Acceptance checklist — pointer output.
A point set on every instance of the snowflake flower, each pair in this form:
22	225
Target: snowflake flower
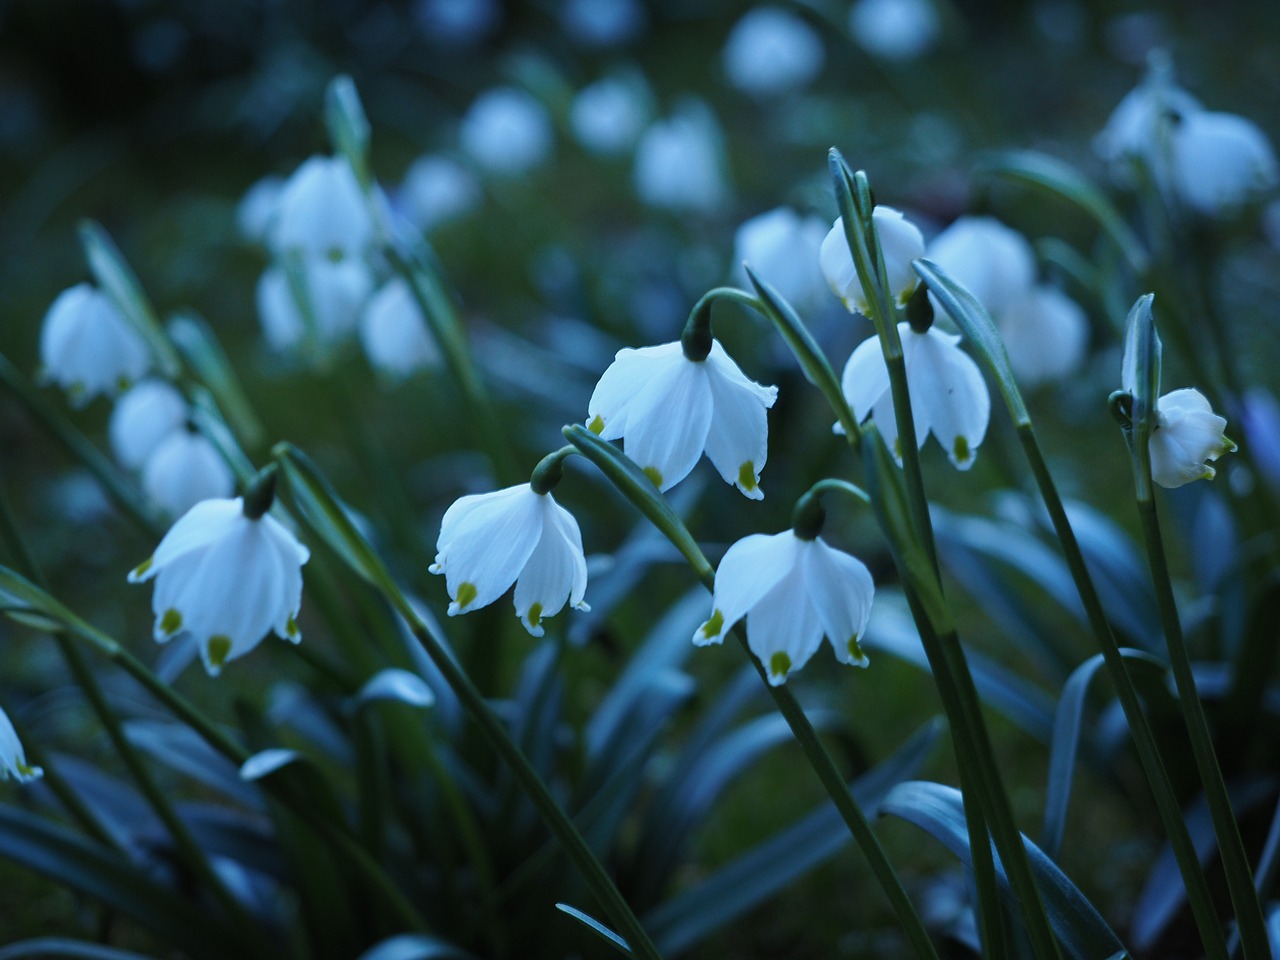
901	241
1187	434
142	418
87	347
183	469
13	759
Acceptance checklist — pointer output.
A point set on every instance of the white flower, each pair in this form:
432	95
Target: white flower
225	579
993	262
1187	433
901	241
184	469
13	760
602	23
1045	333
335	289
87	347
322	212
771	51
142	418
490	540
607	116
948	395
507	131
394	332
668	409
792	591
680	161
895	29
436	190
257	210
463	22
1220	161
782	248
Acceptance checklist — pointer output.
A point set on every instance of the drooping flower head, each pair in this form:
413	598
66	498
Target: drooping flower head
335	292
668	409
490	540
321	212
184	469
680	161
87	347
227	579
142	418
507	131
1220	162
394	332
949	398
901	241
772	51
13	759
782	247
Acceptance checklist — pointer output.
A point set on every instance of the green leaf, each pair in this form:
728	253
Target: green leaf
396	685
938	810
598	928
415	946
348	126
205	357
50	947
1140	374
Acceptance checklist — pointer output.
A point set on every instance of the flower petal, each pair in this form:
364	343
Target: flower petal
622	381
783	630
748	570
206	522
840	590
738	438
556	569
866	378
491	538
668	421
949	395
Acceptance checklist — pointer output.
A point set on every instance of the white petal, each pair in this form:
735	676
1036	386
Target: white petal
13	759
839	270
142	418
627	376
668	421
1045	334
747	571
556	570
196	529
487	543
840	590
949	394
184	470
866	378
321	211
993	262
394	332
1188	433
782	628
738	439
901	242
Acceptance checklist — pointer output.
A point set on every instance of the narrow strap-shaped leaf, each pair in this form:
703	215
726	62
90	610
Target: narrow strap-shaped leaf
60	947
203	353
415	946
598	928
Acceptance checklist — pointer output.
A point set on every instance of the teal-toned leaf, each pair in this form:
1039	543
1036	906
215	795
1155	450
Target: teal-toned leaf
205	358
267	762
1140	371
348	126
58	947
182	749
598	928
415	946
399	686
938	810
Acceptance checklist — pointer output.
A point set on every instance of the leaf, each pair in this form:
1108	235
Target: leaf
415	946
195	341
182	749
348	126
397	685
1140	371
49	947
598	928
939	811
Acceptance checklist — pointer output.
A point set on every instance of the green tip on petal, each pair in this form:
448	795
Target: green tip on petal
747	476
123	384
855	651
655	477
534	616
596	425
961	450
714	625
291	626
26	771
171	621
219	649
467	592
779	665
1229	445
142	568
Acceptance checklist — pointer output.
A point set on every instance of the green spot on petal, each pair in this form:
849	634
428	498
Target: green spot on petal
779	664
855	649
123	384
171	621
654	476
534	616
467	592
747	476
219	650
962	451
143	567
291	626
596	425
714	625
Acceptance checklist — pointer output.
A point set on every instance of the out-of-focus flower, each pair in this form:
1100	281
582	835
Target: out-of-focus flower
336	290
1260	416
602	23
1045	333
948	395
13	759
490	540
1140	126
226	579
782	247
87	347
436	190
256	213
993	262
771	51
668	409
901	241
895	29
394	332
680	161
1220	162
463	22
322	213
507	131
142	418
608	115
792	591
1186	438
184	469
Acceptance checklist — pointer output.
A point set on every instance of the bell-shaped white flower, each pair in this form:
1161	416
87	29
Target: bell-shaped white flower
680	161
321	212
436	190
895	29
257	210
993	262
901	241
1045	333
13	759
792	591
1186	438
489	541
949	398
782	247
184	469
226	579
668	409
394	332
507	131
1220	162
1141	125
608	116
336	290
771	51
143	417
87	347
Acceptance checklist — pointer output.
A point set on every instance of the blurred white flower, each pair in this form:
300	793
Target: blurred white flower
507	131
322	213
1220	162
226	579
13	759
602	23
87	347
901	241
782	247
336	290
668	409
1186	437
257	210
949	398
394	332
1045	333
993	262
490	540
607	116
436	190
792	591
142	418
895	29
184	469
457	21
680	161
771	51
